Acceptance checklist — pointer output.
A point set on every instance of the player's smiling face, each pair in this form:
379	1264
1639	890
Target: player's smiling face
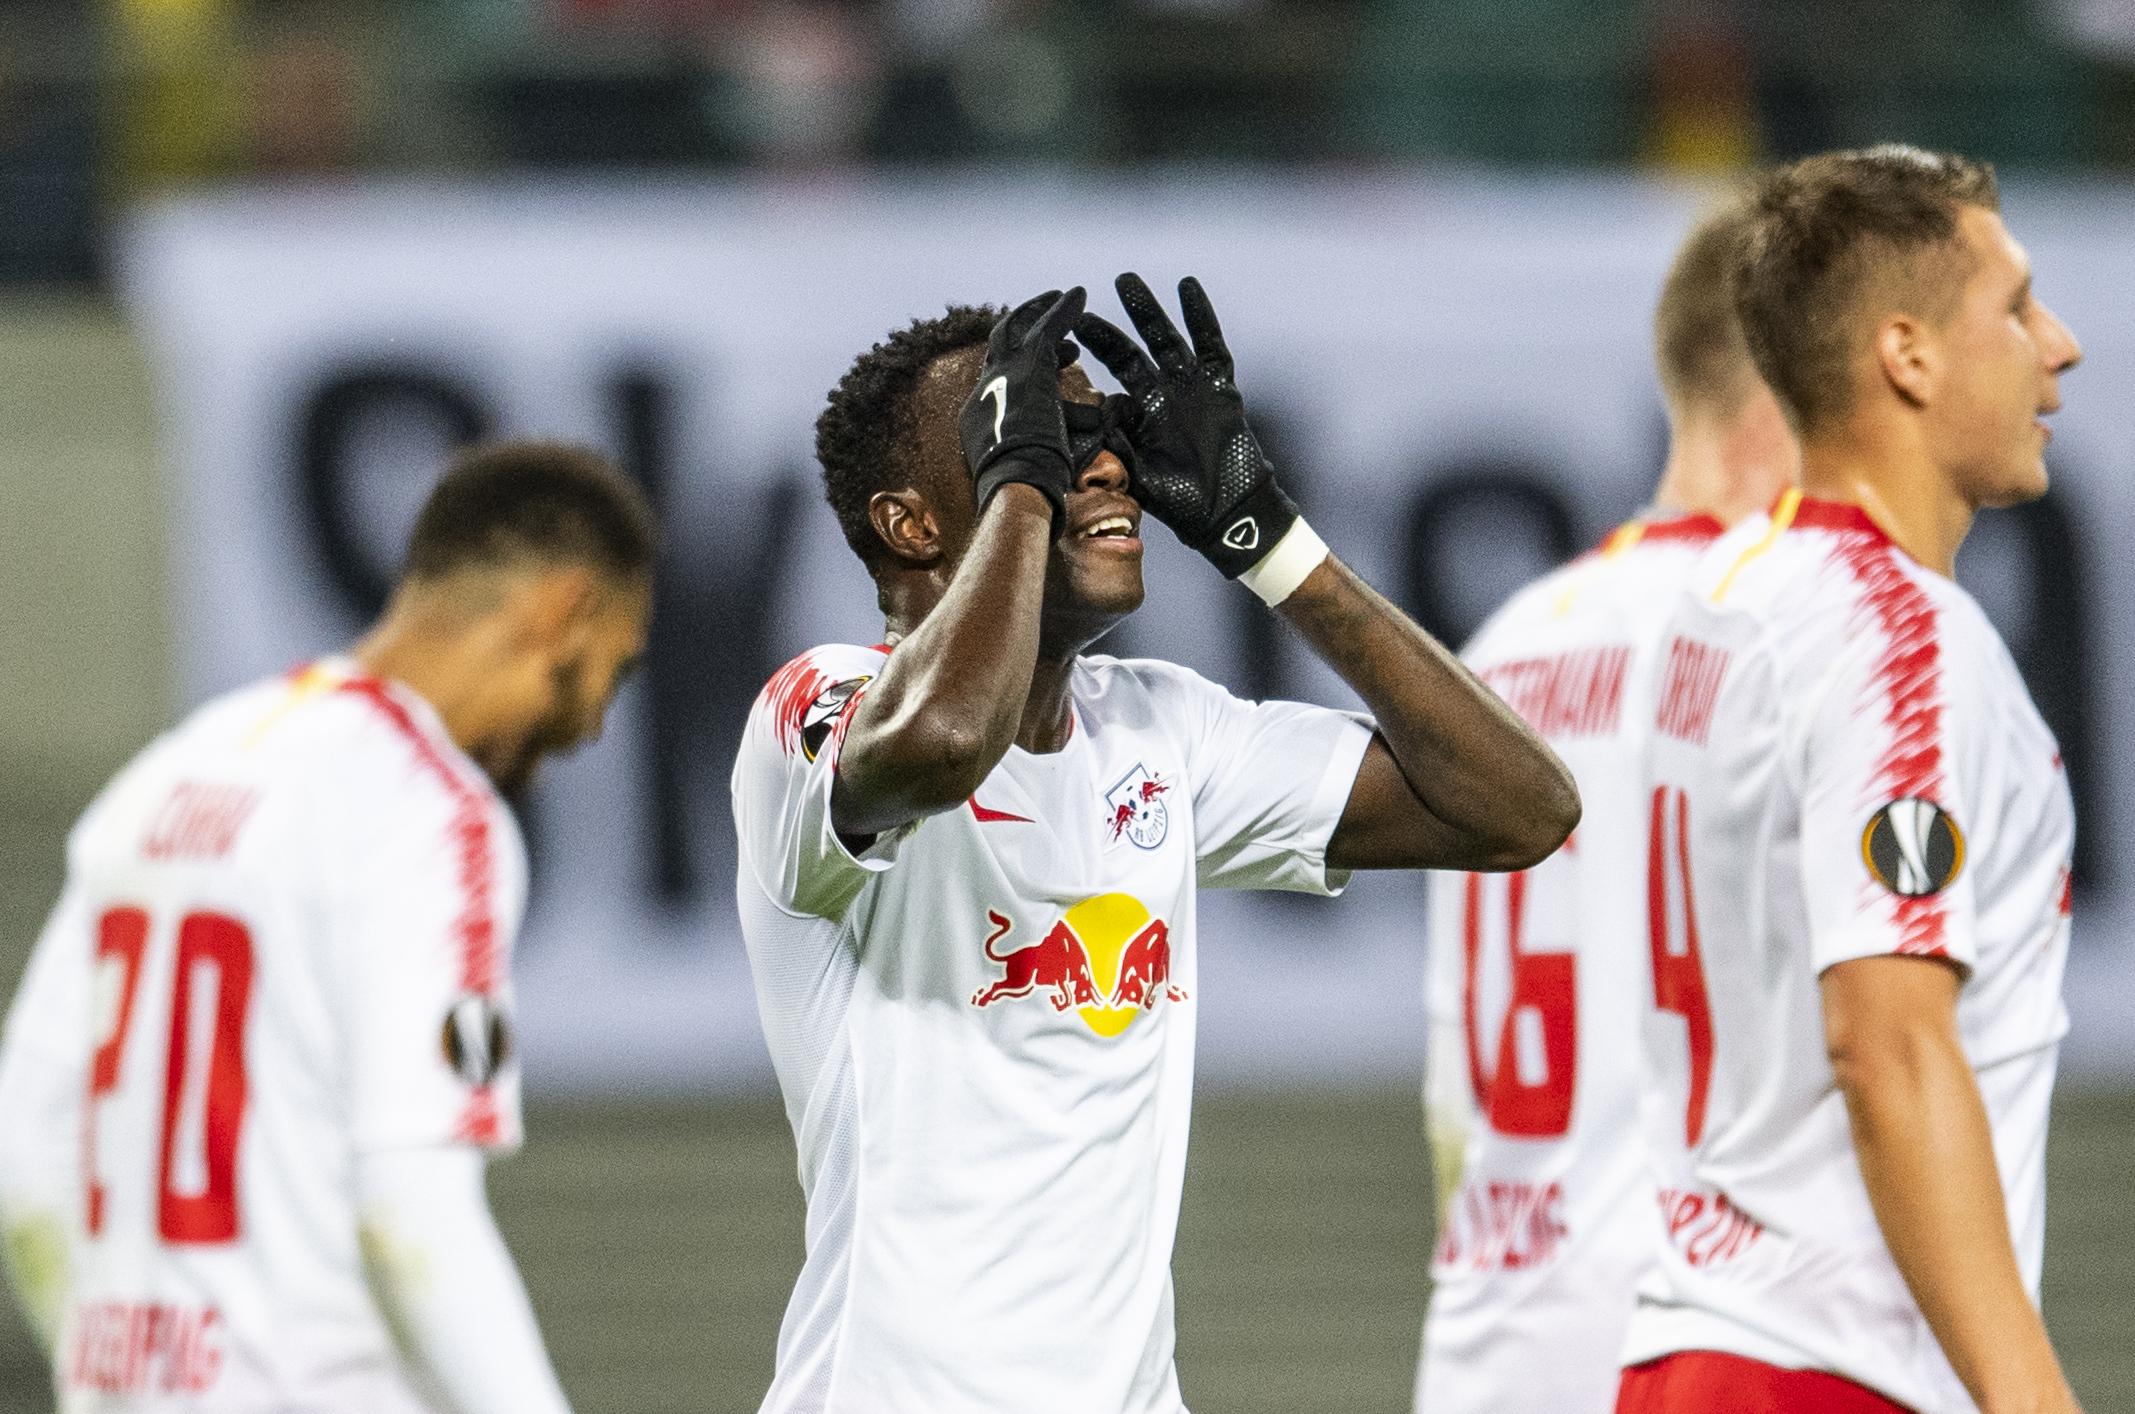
1094	576
2006	351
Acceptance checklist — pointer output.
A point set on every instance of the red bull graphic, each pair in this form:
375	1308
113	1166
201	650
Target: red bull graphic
1107	959
1058	962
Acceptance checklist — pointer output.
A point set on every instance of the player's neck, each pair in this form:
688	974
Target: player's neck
1048	719
1890	475
440	664
1726	468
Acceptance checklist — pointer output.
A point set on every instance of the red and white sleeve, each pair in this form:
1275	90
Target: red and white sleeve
783	777
1887	786
438	889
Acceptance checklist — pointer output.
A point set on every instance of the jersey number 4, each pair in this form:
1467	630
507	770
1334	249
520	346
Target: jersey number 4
1544	986
203	1074
1678	972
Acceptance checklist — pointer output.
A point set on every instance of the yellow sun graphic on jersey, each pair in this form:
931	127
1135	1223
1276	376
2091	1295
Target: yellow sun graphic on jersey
1108	958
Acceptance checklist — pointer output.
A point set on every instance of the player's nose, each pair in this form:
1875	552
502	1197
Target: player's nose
1106	472
2060	347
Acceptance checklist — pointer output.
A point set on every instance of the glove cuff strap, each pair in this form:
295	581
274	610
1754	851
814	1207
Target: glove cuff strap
1035	467
1282	569
1250	530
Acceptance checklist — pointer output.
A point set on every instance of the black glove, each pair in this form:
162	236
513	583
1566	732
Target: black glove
1197	466
1093	428
1011	425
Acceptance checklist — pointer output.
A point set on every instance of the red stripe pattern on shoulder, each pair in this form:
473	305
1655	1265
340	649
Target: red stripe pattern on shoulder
1908	673
790	693
475	928
800	697
1696	528
474	851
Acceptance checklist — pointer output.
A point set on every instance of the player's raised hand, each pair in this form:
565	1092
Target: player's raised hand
1011	425
1197	465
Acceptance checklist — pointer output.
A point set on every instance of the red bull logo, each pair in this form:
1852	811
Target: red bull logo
1107	959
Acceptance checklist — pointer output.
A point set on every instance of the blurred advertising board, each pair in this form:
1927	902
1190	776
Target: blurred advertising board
1453	372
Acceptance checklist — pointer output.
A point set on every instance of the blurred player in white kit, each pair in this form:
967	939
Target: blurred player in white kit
1539	981
1860	839
263	1049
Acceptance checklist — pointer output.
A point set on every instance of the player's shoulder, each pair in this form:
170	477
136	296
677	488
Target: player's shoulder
825	659
800	703
278	742
1803	572
374	747
1621	589
1104	678
205	742
1146	695
1820	584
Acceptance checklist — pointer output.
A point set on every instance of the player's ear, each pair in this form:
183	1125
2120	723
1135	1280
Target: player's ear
557	602
908	525
1910	358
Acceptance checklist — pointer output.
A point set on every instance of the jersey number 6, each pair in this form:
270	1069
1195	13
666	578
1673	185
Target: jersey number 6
1544	988
212	1106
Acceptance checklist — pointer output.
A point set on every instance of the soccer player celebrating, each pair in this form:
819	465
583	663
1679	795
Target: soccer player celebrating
970	857
263	1048
1539	981
1859	839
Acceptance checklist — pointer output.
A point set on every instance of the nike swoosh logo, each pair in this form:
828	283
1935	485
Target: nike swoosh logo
998	391
995	817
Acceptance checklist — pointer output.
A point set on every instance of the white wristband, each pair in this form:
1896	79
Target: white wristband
1285	567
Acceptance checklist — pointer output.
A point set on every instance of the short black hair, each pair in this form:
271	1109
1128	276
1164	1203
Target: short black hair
508	503
867	437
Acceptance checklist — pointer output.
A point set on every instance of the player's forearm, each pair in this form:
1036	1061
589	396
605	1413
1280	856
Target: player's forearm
447	1287
1467	756
1926	1154
950	699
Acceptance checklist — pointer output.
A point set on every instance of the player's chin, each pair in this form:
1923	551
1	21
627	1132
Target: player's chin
1113	588
1104	574
513	776
2024	479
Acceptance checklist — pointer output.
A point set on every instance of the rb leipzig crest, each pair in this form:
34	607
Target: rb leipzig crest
1135	810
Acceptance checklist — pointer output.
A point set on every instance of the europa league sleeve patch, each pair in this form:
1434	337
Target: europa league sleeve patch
822	714
478	1040
1913	847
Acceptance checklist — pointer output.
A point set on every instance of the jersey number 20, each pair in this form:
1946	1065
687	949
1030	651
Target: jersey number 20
207	1105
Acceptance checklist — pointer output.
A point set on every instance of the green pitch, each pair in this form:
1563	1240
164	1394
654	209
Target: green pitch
659	1241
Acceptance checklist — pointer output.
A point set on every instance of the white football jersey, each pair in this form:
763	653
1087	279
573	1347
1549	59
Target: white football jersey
283	941
1845	764
1537	984
983	1025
